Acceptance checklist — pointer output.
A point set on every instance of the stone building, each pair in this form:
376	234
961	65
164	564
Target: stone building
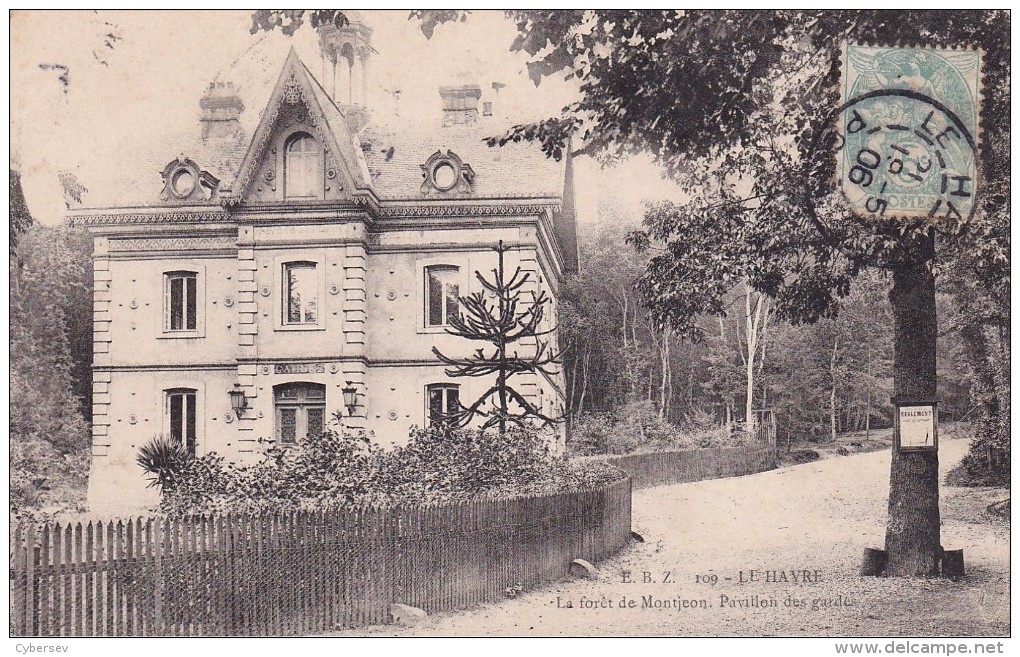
250	286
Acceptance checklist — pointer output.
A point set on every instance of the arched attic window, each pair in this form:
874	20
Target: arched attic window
303	167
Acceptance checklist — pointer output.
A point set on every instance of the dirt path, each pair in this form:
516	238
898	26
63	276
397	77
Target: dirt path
816	517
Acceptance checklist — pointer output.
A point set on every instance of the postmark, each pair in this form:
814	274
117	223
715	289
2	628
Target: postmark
907	132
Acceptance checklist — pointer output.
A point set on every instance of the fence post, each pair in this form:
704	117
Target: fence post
32	599
18	583
157	542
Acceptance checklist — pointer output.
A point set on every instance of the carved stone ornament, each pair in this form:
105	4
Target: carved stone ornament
269	175
293	110
446	173
265	291
420	210
334	289
184	182
292	93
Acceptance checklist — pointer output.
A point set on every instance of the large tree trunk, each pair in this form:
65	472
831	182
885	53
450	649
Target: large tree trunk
912	535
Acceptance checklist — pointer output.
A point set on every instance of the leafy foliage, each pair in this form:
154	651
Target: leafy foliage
638	427
429	19
44	481
51	354
21	218
289	20
838	372
74	191
339	467
735	105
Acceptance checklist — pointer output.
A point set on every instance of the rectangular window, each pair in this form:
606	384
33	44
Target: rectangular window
288	425
444	402
303	167
182	417
301	291
181	301
314	417
442	296
300	411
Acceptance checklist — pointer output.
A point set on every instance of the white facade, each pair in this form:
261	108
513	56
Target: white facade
295	264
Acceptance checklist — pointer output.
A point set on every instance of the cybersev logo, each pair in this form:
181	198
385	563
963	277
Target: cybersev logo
906	133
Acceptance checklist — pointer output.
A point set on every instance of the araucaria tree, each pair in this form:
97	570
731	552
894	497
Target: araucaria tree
507	317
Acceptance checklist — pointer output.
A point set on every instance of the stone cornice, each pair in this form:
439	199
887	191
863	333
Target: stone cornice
493	208
288	211
149	216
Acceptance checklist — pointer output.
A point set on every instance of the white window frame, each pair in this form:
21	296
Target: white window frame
162	386
167	276
287	298
421	268
445	386
280	264
185	394
301	416
287	142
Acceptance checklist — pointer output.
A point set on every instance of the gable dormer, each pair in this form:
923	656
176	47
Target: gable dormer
297	165
303	150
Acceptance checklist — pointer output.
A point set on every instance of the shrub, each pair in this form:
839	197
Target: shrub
43	481
341	467
163	459
987	462
637	427
593	433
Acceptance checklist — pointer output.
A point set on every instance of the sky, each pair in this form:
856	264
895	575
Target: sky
148	85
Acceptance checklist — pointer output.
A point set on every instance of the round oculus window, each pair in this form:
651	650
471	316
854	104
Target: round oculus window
183	182
444	176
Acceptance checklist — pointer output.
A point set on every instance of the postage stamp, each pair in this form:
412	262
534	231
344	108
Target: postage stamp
909	127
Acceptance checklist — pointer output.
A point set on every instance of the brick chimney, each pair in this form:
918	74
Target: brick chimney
221	111
460	104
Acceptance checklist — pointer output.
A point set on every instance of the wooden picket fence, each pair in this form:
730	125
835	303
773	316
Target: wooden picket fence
303	572
686	465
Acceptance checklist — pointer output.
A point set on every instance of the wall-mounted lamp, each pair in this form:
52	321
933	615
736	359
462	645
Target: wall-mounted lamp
238	401
350	398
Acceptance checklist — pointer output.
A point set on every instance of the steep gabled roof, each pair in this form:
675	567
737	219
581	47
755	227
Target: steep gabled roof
328	119
514	171
385	157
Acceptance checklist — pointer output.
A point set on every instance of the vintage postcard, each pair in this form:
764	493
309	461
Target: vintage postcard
449	323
